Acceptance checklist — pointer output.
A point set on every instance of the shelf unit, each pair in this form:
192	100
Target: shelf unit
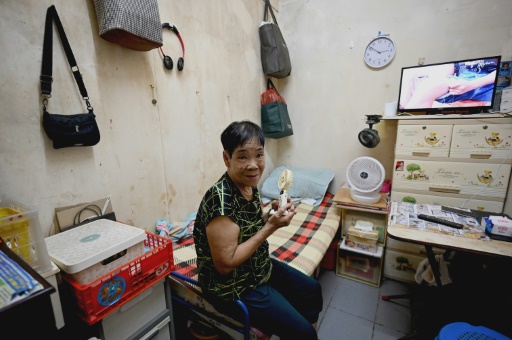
353	263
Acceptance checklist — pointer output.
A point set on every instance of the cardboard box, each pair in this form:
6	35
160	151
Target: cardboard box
66	217
363	236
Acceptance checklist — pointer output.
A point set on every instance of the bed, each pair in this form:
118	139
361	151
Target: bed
302	245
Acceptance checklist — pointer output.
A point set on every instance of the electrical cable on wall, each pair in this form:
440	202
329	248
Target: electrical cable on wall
92	207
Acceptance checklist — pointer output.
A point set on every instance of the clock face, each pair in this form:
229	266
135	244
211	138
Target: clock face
379	52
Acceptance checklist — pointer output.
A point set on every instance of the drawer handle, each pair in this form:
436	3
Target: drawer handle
445	188
420	152
481	154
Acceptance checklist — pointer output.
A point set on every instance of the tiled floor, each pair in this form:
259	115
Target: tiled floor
480	295
354	310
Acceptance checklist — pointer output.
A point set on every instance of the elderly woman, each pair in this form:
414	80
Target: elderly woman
230	235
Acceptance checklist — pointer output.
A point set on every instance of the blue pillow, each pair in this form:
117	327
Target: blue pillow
307	183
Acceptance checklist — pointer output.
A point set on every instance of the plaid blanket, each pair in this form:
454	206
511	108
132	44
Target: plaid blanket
301	245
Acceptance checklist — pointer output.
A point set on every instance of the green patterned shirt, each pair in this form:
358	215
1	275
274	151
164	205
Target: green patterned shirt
225	199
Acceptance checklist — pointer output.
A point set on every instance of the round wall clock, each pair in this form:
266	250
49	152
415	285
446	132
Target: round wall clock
379	52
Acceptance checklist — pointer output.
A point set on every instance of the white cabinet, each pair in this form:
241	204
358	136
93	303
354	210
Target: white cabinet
453	162
463	161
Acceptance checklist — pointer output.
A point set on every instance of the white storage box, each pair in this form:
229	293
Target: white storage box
94	249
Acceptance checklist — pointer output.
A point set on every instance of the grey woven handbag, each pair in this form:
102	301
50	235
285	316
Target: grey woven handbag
275	57
134	24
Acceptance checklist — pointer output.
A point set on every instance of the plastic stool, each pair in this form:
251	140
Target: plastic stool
465	331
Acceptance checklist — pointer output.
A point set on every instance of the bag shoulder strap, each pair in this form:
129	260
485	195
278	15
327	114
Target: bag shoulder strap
270	85
47	60
268	8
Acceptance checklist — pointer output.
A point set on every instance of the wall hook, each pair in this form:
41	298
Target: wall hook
153	94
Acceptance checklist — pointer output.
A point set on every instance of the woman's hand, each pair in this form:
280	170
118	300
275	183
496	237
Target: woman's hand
283	215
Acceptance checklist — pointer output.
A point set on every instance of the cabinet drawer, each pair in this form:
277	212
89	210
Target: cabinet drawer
408	247
444	199
481	141
426	140
401	260
136	313
401	266
453	177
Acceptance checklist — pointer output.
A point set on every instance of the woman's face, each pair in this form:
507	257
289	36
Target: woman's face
247	163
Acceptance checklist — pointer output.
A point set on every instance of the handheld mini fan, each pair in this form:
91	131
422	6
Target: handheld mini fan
284	183
365	176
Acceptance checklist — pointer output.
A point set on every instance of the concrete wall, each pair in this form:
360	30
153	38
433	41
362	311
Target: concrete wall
331	89
156	160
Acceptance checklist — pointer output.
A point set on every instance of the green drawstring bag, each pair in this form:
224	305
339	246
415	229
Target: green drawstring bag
275	120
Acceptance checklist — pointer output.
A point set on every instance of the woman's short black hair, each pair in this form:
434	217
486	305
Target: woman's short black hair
239	133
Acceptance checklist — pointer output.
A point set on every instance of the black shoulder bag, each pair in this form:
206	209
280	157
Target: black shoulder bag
65	130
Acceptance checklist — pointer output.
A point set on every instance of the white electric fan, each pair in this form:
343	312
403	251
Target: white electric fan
365	176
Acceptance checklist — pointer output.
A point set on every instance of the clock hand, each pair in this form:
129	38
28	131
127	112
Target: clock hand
379	52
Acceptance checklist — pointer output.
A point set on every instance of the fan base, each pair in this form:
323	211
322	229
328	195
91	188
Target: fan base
365	197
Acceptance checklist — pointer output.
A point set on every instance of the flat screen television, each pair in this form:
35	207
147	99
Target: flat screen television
463	86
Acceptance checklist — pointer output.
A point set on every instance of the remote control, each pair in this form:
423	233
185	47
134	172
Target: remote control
440	221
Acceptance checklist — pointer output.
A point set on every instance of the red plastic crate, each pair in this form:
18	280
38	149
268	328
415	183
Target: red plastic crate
103	296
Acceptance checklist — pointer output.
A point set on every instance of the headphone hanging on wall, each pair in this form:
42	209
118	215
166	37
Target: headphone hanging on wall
168	63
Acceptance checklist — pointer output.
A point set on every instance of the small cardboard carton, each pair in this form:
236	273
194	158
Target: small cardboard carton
362	239
66	217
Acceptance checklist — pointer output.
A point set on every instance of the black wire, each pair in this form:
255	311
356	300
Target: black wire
76	219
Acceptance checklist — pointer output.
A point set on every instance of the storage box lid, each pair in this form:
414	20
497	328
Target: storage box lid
79	248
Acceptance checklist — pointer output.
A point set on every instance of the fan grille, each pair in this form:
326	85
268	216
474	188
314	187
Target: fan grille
365	174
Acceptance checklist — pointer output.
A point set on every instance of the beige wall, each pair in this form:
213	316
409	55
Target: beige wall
157	160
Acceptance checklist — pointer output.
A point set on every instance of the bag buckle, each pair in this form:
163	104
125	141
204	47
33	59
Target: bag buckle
89	107
46	85
46	79
45	101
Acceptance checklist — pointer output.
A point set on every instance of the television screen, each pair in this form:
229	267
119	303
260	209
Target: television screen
464	85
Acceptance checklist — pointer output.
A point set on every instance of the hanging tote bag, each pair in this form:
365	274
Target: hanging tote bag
134	24
275	120
65	130
275	57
